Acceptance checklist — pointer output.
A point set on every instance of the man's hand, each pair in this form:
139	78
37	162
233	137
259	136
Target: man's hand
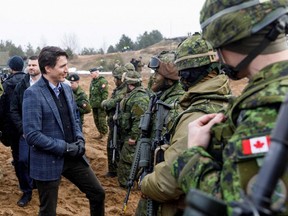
199	130
131	141
75	149
104	104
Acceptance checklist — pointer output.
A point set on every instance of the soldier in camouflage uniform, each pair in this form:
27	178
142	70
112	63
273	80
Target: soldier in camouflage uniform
98	93
132	106
207	91
110	106
165	83
80	96
129	66
242	36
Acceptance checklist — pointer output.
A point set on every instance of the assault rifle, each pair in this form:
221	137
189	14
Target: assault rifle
148	156
113	142
143	141
260	203
144	154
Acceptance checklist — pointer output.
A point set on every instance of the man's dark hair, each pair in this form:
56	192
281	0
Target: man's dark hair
49	56
34	57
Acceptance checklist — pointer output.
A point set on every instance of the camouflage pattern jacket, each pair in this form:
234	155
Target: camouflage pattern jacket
98	91
250	118
206	97
82	102
170	97
116	96
132	106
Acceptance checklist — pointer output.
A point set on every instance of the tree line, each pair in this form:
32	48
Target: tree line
70	45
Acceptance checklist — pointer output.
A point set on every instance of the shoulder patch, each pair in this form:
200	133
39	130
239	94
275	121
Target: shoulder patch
256	145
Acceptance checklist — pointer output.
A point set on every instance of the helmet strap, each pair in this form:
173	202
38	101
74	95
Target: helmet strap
281	26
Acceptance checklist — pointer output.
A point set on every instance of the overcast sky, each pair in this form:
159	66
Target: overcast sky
95	23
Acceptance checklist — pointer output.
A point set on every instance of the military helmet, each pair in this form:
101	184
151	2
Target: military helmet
132	77
167	56
129	66
118	72
224	22
194	52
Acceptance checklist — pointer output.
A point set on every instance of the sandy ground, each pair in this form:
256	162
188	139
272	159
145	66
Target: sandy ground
71	201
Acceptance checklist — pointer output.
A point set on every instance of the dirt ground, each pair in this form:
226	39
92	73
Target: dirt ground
71	201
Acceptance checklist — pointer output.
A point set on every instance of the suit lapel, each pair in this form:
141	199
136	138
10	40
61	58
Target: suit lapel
68	95
51	103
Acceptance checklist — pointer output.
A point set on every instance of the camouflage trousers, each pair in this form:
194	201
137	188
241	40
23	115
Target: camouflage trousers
125	163
99	116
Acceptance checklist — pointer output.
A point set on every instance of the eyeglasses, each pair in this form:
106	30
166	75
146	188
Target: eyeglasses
154	63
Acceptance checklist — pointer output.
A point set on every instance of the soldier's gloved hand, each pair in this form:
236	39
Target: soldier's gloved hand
104	104
75	149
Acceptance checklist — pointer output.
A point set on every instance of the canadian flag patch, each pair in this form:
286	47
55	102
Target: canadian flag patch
256	145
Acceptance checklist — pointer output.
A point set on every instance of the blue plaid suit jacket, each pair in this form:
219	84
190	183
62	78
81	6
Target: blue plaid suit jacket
44	132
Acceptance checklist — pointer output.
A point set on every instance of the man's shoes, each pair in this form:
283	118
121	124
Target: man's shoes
24	200
111	174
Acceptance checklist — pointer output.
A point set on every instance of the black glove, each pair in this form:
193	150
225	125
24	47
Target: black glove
81	144
75	149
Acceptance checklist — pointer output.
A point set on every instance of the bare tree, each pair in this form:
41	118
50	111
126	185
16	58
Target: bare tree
70	42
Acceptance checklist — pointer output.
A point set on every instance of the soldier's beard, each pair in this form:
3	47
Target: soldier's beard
160	86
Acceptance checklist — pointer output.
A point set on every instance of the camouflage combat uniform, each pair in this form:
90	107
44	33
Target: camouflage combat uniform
170	96
98	93
132	107
252	115
110	106
229	166
207	92
82	102
207	97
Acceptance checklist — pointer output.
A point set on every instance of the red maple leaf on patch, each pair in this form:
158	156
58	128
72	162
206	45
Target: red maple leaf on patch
259	144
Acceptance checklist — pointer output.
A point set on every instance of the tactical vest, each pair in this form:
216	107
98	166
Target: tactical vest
246	165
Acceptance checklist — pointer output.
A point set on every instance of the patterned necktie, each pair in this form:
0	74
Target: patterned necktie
57	91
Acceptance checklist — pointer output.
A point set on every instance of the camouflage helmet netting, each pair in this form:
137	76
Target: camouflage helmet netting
132	77
118	72
129	66
224	22
194	52
167	56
